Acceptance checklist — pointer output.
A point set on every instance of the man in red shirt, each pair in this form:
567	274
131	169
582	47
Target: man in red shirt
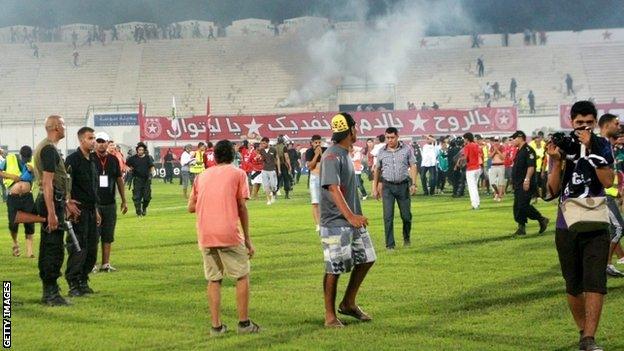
474	157
510	151
209	157
218	199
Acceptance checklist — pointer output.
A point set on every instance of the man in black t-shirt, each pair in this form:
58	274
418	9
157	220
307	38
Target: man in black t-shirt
80	167
109	178
313	162
142	166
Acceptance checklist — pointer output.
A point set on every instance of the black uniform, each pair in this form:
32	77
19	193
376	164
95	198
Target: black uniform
47	159
142	182
108	173
522	207
84	179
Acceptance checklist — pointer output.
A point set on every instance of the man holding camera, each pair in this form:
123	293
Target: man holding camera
523	180
585	161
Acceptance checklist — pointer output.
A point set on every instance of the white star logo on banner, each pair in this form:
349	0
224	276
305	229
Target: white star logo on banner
253	127
418	123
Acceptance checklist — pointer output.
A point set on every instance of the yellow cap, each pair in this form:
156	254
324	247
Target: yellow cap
339	124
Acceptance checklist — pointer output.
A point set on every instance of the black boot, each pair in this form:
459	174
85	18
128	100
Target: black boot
543	223
138	208
521	230
74	289
52	296
84	287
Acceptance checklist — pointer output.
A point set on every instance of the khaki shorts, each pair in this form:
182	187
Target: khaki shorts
229	261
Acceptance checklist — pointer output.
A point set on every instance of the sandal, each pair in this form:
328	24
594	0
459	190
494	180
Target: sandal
356	313
337	324
16	251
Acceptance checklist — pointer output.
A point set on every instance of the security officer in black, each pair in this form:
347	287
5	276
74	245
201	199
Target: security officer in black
81	167
52	203
524	183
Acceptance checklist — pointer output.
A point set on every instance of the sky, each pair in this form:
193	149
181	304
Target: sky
494	16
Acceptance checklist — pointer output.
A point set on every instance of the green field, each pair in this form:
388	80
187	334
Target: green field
464	284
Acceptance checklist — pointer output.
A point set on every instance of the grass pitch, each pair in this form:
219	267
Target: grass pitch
464	284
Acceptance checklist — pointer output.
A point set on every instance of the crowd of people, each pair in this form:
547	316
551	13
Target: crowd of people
78	195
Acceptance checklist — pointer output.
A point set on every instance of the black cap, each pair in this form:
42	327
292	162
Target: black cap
518	133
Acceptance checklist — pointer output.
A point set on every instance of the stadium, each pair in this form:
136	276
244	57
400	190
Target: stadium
174	76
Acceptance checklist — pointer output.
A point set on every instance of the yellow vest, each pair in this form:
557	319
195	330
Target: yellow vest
12	167
613	191
198	167
539	154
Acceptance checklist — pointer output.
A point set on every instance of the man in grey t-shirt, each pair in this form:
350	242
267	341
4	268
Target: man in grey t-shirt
346	243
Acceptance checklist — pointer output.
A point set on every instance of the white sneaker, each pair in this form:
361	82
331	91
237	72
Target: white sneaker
95	269
318	228
107	268
364	197
273	198
620	261
269	202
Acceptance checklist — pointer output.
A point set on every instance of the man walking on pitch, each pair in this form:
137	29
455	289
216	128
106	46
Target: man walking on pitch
346	243
270	169
218	198
109	177
395	180
82	171
524	183
142	166
583	253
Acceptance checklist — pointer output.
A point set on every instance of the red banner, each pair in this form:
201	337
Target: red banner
613	108
304	125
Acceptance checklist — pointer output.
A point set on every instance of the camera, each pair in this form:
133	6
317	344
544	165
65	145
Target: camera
568	144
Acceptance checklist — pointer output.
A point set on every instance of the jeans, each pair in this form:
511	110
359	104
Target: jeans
400	193
430	188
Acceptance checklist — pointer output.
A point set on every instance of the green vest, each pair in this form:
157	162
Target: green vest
61	182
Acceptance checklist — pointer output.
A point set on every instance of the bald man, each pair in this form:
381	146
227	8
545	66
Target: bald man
52	204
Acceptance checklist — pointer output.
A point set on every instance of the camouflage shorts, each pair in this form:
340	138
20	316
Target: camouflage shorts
345	247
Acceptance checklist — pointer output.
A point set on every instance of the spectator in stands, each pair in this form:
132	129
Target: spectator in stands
424	107
475	40
74	37
211	33
35	50
115	35
505	39
196	31
527	37
531	98
487	92
496	91
275	30
76	55
533	37
569	85
542	37
480	67
512	89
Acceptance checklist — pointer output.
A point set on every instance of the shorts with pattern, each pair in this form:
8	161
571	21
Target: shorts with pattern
345	247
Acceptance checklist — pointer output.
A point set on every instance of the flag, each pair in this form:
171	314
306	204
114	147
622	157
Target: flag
208	118
174	120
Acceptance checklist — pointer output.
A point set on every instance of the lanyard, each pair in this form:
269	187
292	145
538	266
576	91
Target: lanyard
103	163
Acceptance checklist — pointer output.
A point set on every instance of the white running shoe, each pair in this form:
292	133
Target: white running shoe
620	261
318	228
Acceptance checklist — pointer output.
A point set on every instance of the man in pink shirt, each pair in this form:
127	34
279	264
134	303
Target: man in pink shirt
218	199
474	159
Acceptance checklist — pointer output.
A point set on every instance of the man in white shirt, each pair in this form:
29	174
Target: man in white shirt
429	153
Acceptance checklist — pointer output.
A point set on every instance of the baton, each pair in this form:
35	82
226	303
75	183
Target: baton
72	235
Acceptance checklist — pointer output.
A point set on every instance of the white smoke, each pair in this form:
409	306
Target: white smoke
377	53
